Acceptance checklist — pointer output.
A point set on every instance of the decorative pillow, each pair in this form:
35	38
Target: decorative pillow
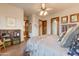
61	36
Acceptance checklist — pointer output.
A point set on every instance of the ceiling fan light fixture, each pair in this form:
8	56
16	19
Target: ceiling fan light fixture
41	13
43	6
45	13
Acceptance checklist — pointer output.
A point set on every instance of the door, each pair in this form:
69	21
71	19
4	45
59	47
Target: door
42	27
55	26
26	27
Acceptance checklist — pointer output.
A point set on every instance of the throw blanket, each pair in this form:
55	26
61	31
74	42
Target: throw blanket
46	45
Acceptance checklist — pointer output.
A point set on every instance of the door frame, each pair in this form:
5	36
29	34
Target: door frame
57	19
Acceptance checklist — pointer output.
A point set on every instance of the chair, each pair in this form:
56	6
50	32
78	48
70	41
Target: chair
2	45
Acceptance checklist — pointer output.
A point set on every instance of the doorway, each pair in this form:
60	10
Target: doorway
55	25
42	27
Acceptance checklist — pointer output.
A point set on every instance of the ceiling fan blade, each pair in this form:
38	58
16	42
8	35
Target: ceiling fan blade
48	9
38	9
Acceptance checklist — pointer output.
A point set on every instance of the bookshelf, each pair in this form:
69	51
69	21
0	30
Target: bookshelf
10	37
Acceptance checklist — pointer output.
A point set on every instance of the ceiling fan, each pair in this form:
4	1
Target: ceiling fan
44	10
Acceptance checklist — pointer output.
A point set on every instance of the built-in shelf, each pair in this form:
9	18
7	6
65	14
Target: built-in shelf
10	37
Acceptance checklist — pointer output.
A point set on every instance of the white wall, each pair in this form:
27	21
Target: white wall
8	11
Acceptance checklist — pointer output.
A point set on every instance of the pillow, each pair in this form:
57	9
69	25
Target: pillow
68	37
61	36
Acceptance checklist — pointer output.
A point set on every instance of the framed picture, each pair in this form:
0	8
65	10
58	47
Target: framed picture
74	18
11	21
64	19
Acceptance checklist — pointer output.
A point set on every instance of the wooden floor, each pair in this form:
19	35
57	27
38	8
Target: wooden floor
15	50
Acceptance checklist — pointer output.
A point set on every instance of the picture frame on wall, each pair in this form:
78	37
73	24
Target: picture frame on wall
74	17
11	21
64	19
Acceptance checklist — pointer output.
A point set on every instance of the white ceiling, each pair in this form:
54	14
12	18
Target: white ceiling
33	8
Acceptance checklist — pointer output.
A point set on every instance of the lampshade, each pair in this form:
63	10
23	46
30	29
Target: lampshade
41	13
45	13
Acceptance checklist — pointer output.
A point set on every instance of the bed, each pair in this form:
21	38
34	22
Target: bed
49	45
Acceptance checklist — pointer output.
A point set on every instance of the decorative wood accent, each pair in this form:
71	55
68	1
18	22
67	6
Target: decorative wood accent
57	19
75	16
64	19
